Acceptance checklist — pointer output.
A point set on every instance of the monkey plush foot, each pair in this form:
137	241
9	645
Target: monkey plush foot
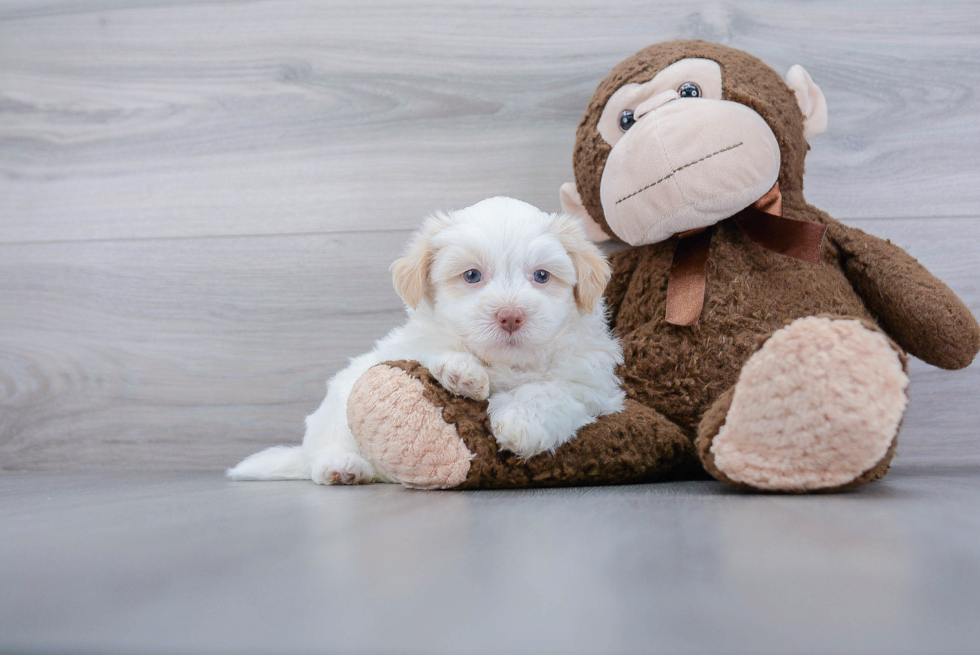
422	436
395	414
816	408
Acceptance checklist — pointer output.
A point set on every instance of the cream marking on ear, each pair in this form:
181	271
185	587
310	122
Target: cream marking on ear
592	271
593	275
410	274
811	100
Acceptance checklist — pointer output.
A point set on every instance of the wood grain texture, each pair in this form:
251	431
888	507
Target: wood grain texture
185	352
126	118
192	353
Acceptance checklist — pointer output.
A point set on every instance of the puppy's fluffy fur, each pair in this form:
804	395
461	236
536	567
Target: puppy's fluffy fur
504	301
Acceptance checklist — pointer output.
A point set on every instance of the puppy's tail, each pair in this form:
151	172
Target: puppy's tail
276	463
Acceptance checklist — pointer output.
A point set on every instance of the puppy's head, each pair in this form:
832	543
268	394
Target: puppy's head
502	273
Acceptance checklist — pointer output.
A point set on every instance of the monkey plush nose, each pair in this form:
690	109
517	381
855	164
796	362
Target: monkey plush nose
510	319
656	101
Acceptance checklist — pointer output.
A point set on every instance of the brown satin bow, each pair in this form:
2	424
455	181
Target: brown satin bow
764	224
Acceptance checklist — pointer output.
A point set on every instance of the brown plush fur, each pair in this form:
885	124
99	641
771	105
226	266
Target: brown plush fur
679	379
649	447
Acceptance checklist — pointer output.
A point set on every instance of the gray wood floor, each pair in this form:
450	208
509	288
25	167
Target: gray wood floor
190	563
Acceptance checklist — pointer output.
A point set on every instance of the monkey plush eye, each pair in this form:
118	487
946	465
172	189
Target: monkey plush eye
626	120
472	276
541	276
689	90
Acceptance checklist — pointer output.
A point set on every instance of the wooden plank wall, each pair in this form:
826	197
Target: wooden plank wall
199	200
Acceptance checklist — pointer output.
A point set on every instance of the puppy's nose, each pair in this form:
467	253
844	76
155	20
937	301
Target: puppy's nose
510	319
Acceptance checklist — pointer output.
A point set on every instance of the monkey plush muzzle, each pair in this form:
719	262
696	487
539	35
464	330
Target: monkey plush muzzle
686	164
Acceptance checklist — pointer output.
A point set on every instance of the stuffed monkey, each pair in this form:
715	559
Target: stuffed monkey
765	342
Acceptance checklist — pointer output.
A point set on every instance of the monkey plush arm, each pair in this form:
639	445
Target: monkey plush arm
917	310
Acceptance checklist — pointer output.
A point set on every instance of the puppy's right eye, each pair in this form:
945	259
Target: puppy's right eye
472	276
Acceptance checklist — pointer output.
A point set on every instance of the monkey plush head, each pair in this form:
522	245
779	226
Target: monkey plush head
685	134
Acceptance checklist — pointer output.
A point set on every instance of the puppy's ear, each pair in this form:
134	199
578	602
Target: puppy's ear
411	273
593	276
591	268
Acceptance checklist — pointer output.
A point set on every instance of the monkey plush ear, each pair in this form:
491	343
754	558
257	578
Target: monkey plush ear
811	101
571	203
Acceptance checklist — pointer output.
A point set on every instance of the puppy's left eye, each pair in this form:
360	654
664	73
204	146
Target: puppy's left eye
472	276
541	276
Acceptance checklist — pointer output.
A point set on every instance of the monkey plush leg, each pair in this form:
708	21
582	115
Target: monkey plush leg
425	437
816	408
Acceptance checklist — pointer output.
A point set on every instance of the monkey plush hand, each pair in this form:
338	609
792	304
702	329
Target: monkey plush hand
765	342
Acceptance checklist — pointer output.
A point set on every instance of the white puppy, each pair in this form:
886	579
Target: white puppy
504	301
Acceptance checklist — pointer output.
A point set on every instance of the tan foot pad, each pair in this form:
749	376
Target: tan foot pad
817	407
403	433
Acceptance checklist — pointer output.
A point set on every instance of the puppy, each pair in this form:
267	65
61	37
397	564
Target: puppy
504	302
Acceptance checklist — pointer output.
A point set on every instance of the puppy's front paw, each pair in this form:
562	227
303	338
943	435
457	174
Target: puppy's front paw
342	468
463	375
520	433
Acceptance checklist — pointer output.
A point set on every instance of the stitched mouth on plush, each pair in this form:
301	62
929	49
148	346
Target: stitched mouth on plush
677	170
